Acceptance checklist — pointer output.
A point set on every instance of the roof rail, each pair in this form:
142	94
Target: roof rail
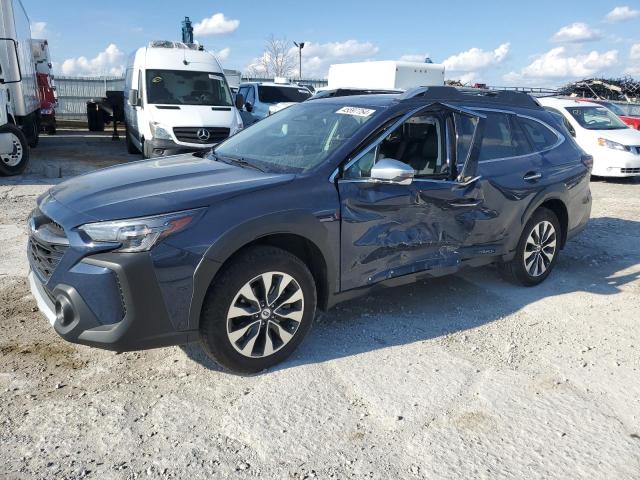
502	97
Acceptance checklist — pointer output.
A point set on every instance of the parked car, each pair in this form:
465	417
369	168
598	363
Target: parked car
176	100
627	114
324	201
260	99
614	146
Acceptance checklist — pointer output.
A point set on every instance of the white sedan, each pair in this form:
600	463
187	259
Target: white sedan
615	146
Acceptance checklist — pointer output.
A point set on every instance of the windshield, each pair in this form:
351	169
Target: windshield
596	118
630	109
296	139
275	94
179	87
614	108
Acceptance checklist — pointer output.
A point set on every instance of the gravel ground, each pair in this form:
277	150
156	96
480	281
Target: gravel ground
460	377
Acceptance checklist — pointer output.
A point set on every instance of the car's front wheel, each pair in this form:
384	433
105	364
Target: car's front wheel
258	310
537	251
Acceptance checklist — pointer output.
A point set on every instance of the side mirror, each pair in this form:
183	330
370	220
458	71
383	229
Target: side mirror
248	107
134	99
239	101
389	170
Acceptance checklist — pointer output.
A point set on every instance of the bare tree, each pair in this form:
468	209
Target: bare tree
276	59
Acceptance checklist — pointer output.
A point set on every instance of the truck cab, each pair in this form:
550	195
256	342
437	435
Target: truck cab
177	100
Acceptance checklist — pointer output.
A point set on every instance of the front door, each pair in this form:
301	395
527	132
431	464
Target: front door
391	229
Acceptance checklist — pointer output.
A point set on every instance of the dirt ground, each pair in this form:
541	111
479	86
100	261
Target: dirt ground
460	377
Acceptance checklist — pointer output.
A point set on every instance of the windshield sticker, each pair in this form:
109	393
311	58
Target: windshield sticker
356	111
212	76
303	91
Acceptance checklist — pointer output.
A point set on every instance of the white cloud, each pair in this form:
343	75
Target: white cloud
39	30
476	59
577	32
414	57
223	54
634	57
216	24
466	66
620	14
110	61
557	65
316	57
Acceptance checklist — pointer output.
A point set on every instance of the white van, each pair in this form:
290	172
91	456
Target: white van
177	100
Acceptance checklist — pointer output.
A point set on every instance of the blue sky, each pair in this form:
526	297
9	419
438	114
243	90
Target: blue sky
541	43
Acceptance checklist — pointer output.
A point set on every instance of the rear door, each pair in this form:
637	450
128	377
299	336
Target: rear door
392	229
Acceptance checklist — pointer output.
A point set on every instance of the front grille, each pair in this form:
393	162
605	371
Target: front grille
630	170
190	134
47	244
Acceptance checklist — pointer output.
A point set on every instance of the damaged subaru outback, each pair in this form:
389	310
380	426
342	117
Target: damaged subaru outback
238	248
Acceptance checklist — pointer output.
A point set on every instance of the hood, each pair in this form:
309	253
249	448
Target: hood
192	116
625	136
152	187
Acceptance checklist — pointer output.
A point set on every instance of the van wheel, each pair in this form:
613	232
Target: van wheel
15	162
131	147
537	251
258	310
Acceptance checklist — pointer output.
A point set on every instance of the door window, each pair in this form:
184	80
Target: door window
251	96
541	137
418	142
501	139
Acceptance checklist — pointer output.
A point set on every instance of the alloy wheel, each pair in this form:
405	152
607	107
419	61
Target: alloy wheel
15	157
265	314
540	249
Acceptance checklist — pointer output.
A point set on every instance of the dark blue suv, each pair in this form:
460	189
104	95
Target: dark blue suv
321	202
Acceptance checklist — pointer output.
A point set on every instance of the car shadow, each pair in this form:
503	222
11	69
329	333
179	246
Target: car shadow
599	261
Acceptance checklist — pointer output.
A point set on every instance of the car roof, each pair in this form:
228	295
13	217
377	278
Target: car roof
565	102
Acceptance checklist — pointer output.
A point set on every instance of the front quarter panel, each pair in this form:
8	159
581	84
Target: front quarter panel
307	208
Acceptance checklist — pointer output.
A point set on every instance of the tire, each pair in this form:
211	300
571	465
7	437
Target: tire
95	119
131	147
240	343
16	162
534	260
31	129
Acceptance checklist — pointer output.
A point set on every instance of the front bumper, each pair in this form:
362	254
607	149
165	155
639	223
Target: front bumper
133	318
611	163
165	148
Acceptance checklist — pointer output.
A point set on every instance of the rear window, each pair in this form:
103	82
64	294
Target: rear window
541	137
501	139
275	94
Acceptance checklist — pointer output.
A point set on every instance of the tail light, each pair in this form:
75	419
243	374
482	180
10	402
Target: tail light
587	161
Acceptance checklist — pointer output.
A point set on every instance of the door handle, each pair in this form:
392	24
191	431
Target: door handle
532	176
465	202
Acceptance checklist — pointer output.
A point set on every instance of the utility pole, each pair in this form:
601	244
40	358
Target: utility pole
300	47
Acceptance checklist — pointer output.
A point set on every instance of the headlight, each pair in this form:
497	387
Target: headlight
140	234
160	132
603	142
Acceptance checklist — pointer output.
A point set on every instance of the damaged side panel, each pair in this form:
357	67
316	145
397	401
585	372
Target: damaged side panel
393	230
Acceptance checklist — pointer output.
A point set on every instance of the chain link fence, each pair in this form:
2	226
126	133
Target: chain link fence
74	92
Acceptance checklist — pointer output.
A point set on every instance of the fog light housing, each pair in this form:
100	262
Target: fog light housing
65	313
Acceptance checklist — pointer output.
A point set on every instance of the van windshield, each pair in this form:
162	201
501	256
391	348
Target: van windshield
179	87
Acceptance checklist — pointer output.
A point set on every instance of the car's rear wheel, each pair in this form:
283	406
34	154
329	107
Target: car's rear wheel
537	251
258	310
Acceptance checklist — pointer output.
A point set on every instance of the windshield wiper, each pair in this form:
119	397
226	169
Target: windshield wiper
238	161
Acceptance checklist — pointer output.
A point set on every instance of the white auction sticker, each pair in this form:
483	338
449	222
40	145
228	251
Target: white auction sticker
356	111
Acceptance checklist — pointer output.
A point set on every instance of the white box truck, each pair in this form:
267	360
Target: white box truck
385	75
177	100
17	64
